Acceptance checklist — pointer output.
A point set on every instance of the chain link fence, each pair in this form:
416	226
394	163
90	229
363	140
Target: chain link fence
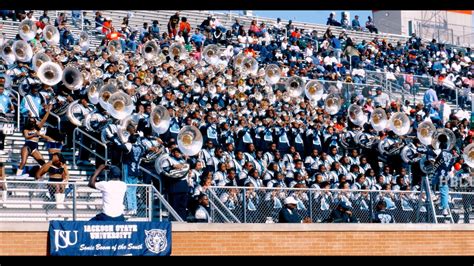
263	205
46	200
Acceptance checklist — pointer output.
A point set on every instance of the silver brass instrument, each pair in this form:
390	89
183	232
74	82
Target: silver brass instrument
94	122
356	115
177	50
239	61
468	155
93	90
295	86
190	140
27	29
150	50
22	51
74	113
160	119
399	123
314	90
72	78
39	59
250	66
120	105
348	140
409	153
50	73
272	74
427	165
332	104
122	131
84	42
114	47
7	52
104	94
443	135
51	35
425	132
378	119
210	54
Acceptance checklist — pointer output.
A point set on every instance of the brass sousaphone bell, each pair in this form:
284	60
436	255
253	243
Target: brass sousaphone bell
378	119
332	104
50	73
399	123
22	51
210	54
160	119
295	86
72	78
190	140
27	29
272	74
120	105
51	35
104	94
356	115
425	132
39	59
314	90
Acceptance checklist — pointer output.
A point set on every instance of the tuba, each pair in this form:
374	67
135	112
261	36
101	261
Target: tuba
210	54
94	122
378	119
332	104
272	74
150	50
295	86
356	115
177	50
190	140
239	61
425	132
249	66
427	165
314	90
120	105
7	53
74	113
104	94
50	73
409	154
399	123
468	155
93	91
39	59
84	42
72	78
443	135
114	47
27	29
122	129
51	35
160	119
22	51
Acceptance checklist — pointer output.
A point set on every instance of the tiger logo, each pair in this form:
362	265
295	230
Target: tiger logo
156	240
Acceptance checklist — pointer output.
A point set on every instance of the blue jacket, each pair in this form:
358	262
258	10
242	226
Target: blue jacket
287	216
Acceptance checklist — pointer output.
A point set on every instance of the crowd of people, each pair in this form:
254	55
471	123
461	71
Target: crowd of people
255	133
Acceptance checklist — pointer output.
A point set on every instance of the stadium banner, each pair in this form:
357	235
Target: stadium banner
104	238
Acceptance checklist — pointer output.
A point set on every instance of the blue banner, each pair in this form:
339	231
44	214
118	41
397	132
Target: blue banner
103	238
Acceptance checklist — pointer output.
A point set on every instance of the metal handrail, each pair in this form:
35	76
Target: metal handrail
223	205
83	146
17	109
167	205
57	118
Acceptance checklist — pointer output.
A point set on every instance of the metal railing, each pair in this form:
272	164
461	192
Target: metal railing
263	205
462	206
84	134
45	200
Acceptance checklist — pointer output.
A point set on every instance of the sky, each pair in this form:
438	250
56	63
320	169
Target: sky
316	16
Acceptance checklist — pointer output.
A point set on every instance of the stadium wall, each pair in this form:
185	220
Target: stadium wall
278	239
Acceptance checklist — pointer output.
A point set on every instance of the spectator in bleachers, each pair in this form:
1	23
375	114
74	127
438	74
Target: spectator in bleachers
381	215
173	25
345	21
45	18
99	21
332	20
356	24
288	213
75	16
60	19
370	25
155	29
185	29
342	214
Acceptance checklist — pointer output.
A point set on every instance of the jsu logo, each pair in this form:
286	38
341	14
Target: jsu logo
156	240
64	238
